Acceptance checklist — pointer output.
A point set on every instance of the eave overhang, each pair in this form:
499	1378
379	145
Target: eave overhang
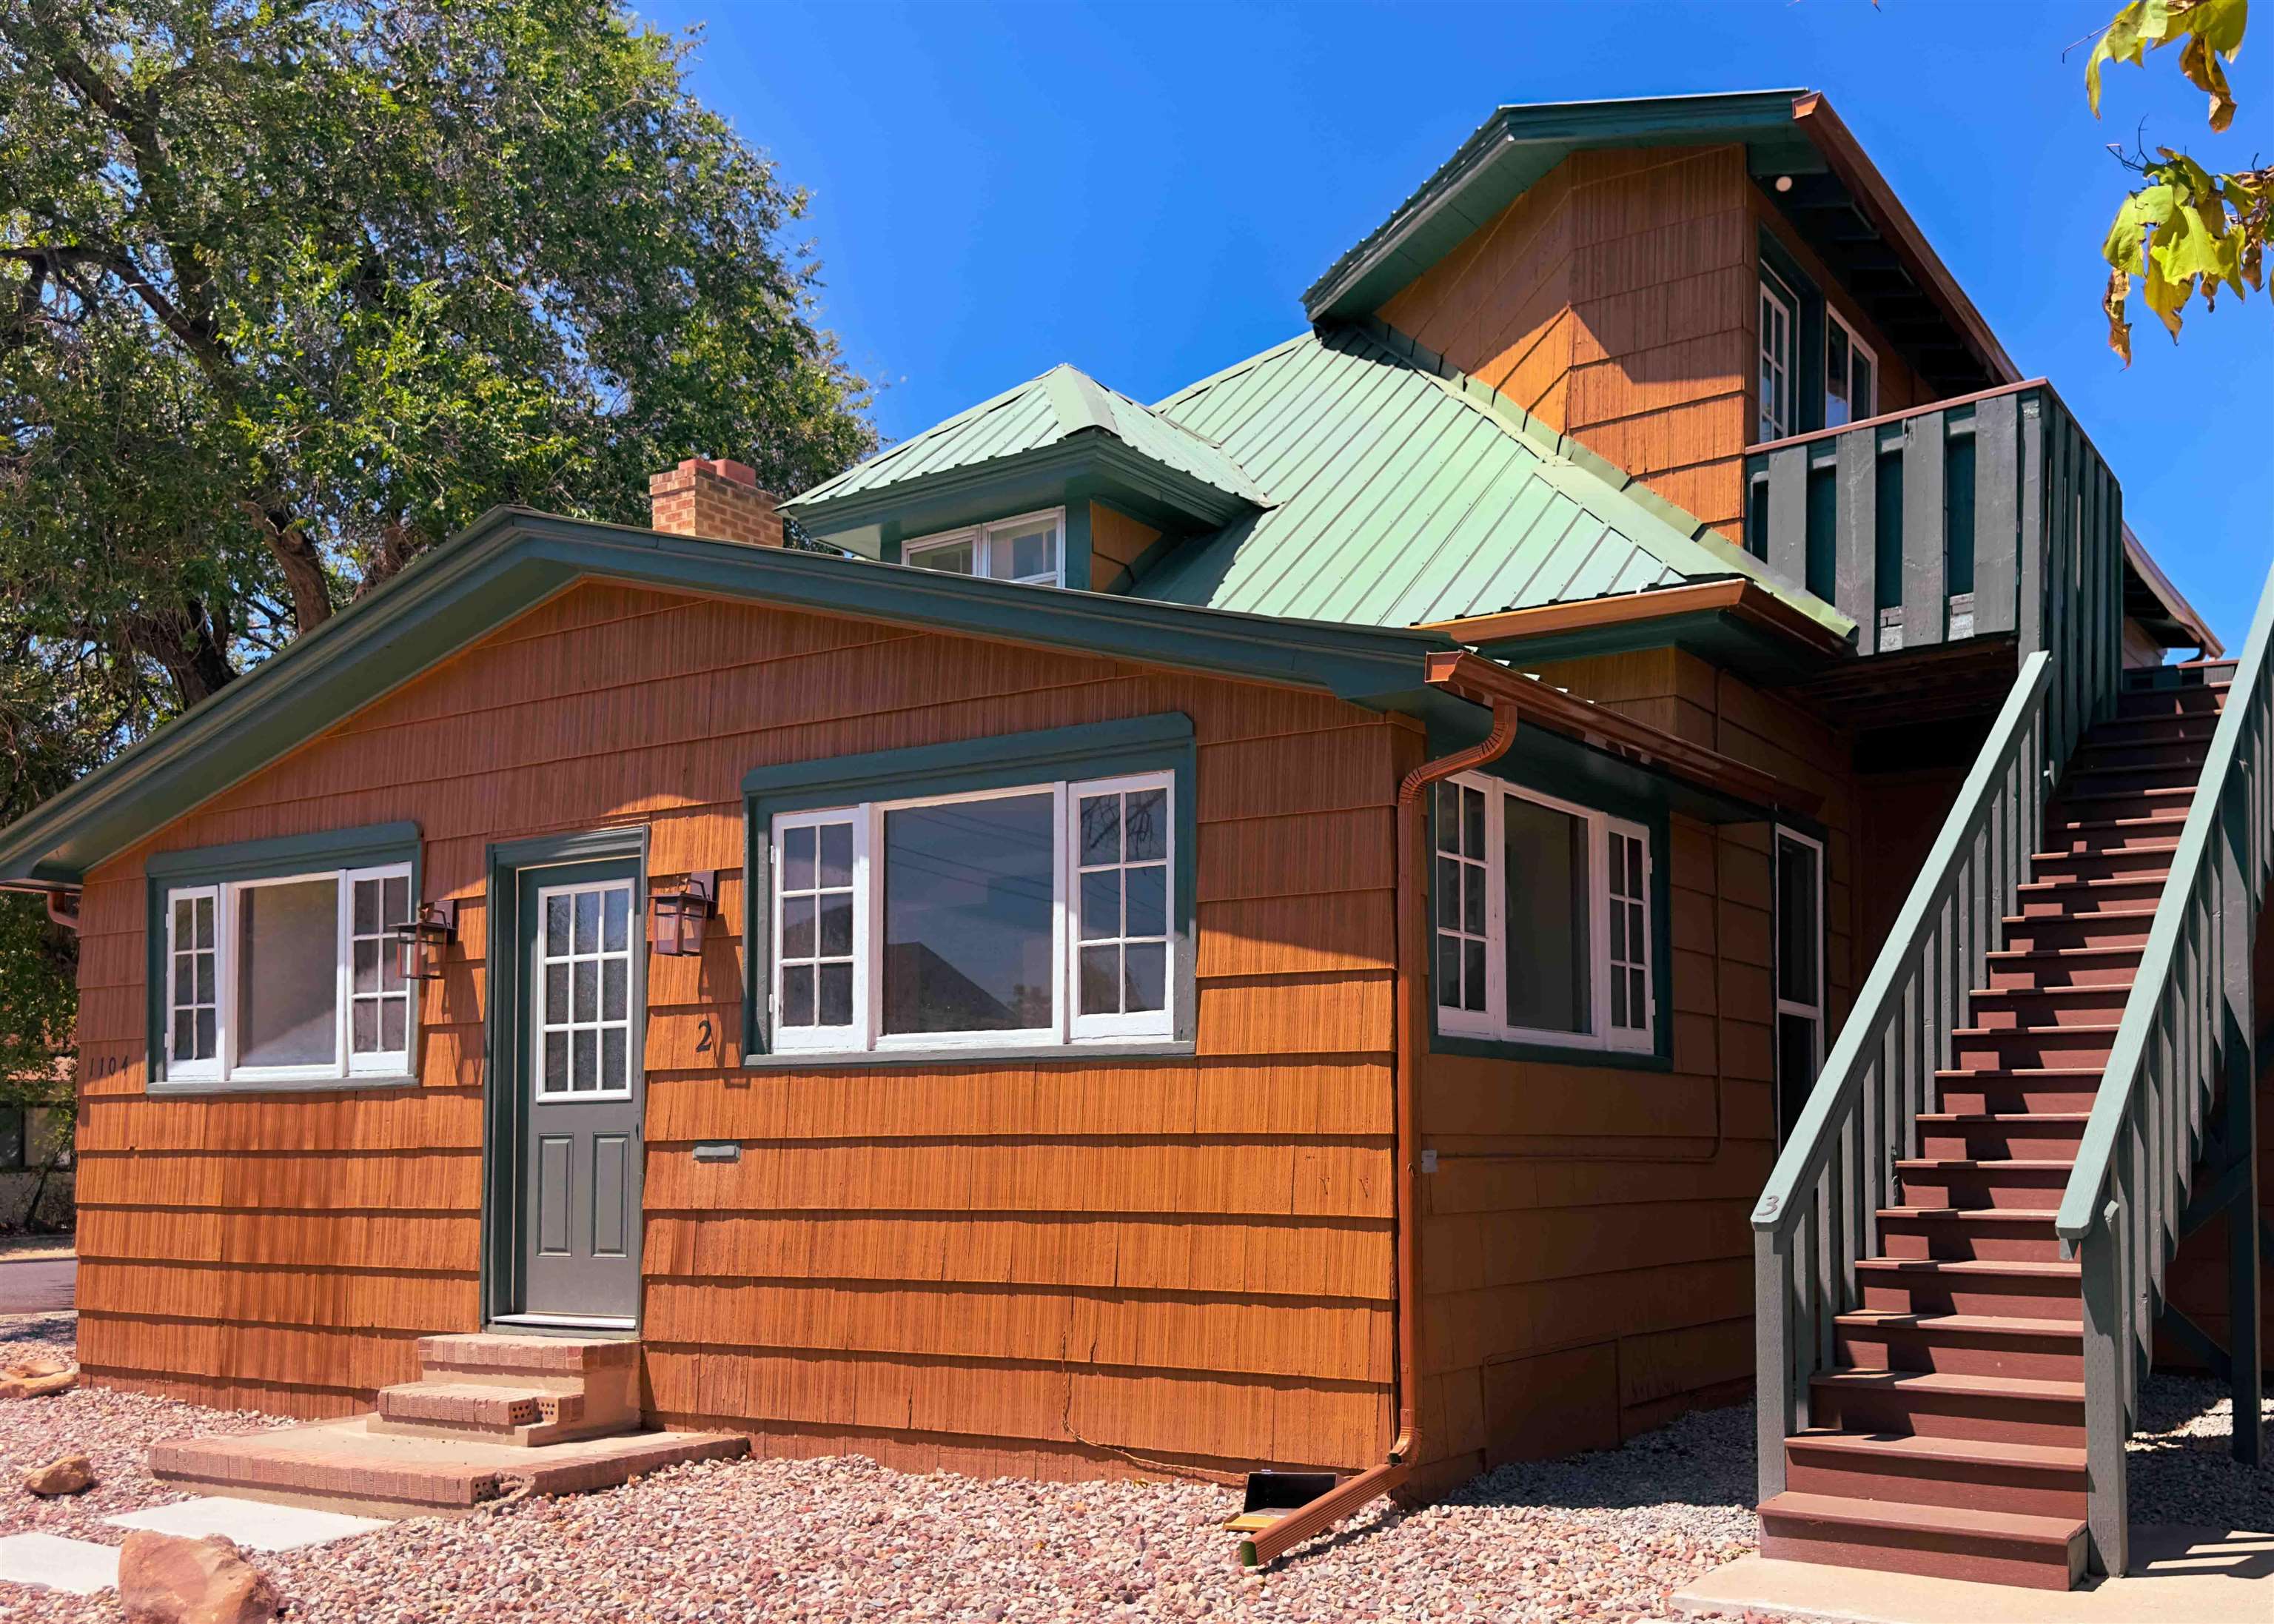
1736	623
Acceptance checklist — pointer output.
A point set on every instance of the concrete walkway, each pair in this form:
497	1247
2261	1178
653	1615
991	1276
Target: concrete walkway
38	1285
2180	1575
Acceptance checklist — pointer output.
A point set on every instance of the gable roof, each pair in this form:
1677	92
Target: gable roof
1042	413
1409	492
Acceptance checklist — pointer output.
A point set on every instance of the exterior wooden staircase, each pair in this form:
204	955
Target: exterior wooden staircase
1948	1437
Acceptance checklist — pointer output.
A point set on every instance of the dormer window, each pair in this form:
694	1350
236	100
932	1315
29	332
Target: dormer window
1027	549
1850	374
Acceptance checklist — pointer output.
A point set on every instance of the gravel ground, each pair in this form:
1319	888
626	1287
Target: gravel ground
1595	1537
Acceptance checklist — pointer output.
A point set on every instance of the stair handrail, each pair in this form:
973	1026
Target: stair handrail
2187	1025
1836	1169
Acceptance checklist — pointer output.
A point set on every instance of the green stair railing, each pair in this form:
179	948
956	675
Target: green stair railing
2187	1033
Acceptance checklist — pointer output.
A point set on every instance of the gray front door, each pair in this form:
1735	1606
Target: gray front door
580	1069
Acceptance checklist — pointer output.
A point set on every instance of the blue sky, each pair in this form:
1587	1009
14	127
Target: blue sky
1146	189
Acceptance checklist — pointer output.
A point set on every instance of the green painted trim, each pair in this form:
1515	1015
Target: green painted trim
364	847
1162	742
503	1100
1652	815
512	560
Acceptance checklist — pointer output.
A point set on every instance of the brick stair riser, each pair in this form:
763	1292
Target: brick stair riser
1947	1294
2107	897
2000	1418
417	1403
2140	863
2049	932
2045	1049
2010	1097
2037	1189
2090	967
2038	1491
2032	1357
2010	1009
2026	1140
1970	1240
1986	1560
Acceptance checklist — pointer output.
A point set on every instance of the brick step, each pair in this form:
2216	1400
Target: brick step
1930	1403
1962	1234
2111	928
347	1466
2032	1048
1977	1474
1997	1290
1987	1547
2027	1136
1946	1181
1961	1344
559	1363
2148	859
2038	898
2013	968
2078	832
2096	1004
2050	1089
525	1417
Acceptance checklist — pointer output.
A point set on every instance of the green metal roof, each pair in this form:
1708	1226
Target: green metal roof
1409	492
1040	413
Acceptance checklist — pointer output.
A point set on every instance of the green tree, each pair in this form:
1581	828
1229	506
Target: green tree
2187	229
291	289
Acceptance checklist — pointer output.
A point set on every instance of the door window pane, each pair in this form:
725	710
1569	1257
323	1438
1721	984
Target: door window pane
287	973
969	896
1545	872
583	991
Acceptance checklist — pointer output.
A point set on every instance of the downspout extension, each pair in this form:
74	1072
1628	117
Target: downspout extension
1412	985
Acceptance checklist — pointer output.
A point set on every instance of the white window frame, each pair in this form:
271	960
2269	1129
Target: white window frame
1067	1029
983	540
1817	1010
1491	1023
635	993
1856	346
222	1067
1785	366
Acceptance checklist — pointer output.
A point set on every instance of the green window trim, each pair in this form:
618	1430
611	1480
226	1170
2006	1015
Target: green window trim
371	845
1653	817
1149	744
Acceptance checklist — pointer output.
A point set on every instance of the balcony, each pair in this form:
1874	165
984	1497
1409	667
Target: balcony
1988	521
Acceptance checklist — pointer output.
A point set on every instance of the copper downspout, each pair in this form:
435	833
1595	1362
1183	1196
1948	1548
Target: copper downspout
1412	987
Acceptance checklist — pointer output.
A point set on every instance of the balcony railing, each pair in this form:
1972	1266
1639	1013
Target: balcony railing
1989	515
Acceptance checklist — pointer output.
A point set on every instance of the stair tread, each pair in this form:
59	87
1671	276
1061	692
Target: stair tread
496	1392
2028	1074
1999	1214
1970	1265
2088	989
1969	1325
2072	882
1950	1117
2003	1164
2057	1531
2023	954
1954	1451
2035	922
2150	847
2082	1026
1950	1382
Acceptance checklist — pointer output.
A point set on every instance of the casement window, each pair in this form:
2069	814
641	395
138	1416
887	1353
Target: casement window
1780	339
1850	374
970	897
1799	878
272	962
1027	549
289	979
1543	920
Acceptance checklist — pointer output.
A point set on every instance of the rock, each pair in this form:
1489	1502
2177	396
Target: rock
167	1579
33	1377
66	1474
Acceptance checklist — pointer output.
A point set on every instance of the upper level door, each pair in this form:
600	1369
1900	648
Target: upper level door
580	1047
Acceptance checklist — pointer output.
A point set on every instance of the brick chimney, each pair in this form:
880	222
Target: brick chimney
715	499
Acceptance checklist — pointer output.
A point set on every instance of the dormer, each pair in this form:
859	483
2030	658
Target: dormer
1060	482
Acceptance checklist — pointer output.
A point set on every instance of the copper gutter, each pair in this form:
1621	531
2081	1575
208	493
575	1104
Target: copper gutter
1412	987
1746	599
66	918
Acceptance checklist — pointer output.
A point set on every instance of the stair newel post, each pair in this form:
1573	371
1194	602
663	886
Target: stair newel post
2107	1351
1775	1414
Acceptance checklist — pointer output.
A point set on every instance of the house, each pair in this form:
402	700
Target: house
1286	927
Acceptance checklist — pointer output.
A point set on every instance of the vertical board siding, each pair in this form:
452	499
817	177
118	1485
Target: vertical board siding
1042	1266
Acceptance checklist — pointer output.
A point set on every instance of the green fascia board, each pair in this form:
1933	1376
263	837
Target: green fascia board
928	503
513	558
857	776
1740	645
1512	150
1686	542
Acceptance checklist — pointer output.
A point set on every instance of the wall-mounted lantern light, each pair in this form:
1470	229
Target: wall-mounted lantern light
420	942
681	914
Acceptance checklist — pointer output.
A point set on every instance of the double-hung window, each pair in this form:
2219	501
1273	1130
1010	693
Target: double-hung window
966	907
1543	925
287	976
1850	374
1027	549
1799	880
1780	349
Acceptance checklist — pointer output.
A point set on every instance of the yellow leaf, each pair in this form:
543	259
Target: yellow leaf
2201	65
2120	330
